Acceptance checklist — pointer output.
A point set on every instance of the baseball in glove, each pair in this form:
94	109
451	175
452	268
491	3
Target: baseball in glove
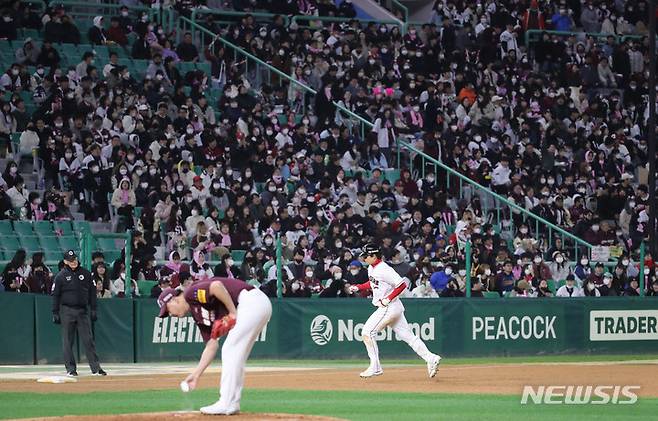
222	326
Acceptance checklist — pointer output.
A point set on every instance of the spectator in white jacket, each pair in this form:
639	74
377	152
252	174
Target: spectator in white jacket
559	268
606	76
18	194
500	175
570	289
637	59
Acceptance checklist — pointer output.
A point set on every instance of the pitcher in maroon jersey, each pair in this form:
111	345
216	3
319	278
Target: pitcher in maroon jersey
210	300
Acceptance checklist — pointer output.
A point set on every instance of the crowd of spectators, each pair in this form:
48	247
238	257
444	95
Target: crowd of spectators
557	127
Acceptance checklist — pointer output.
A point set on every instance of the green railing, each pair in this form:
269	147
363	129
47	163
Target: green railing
534	35
88	10
86	250
279	267
257	68
321	19
399	9
463	186
228	17
40	3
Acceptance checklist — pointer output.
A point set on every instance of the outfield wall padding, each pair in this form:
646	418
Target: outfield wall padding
129	331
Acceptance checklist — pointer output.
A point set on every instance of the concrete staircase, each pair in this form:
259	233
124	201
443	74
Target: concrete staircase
373	10
26	170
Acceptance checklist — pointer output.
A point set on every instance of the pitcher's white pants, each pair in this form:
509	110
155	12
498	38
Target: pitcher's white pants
253	313
392	315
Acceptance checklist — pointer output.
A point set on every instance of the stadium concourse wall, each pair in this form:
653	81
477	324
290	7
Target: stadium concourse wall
129	331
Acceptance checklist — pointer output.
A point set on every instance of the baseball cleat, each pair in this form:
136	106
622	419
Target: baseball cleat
433	366
100	372
72	373
371	373
219	409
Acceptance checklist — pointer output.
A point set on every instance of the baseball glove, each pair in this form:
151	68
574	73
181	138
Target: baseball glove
222	326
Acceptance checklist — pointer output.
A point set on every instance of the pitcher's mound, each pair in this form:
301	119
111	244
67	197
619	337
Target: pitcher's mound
190	416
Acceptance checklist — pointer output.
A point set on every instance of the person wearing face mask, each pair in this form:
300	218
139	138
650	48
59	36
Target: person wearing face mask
540	269
192	221
582	270
356	275
96	183
70	172
309	284
10	175
440	279
570	289
124	201
227	268
614	282
297	265
97	34
455	286
199	269
334	288
559	267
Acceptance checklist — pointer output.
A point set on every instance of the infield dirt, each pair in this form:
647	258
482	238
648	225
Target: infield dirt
491	379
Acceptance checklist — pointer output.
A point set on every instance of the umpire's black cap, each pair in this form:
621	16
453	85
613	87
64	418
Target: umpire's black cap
70	256
368	250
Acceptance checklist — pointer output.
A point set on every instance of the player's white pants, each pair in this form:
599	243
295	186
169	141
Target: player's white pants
392	315
253	313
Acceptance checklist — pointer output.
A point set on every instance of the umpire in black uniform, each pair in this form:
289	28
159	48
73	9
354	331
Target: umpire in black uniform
74	306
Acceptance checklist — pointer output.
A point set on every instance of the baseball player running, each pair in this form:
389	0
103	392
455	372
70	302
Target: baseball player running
218	306
386	286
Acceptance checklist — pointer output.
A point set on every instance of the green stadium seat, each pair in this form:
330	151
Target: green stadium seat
6	228
145	287
53	254
254	282
43	227
551	285
10	244
49	242
111	255
238	255
23	228
81	226
185	67
69	243
106	244
205	67
63	227
392	175
490	294
560	283
30	243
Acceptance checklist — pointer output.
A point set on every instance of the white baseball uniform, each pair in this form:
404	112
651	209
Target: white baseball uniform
253	312
383	281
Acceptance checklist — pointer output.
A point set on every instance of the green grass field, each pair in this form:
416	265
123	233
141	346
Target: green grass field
362	405
348	405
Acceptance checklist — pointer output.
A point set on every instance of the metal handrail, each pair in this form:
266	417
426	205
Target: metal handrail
105	8
274	69
237	15
531	35
402	7
478	186
297	18
36	2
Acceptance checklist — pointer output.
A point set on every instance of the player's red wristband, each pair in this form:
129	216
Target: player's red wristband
364	286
